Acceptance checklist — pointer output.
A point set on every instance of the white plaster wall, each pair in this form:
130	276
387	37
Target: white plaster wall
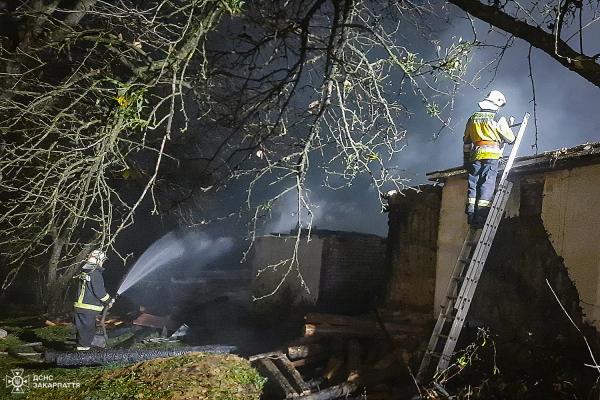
571	216
270	250
452	231
514	202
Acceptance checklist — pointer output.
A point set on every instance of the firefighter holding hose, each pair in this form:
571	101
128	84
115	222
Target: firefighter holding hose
91	299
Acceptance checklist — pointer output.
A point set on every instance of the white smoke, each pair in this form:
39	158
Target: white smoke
194	248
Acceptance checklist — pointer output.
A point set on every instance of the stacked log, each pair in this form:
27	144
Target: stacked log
346	353
298	351
361	326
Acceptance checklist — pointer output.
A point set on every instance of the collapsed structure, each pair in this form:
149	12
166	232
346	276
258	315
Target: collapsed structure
342	272
542	265
427	226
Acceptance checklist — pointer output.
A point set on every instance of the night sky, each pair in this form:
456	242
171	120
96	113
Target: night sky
567	115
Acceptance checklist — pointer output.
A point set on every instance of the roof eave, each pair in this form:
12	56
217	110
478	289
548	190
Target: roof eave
584	154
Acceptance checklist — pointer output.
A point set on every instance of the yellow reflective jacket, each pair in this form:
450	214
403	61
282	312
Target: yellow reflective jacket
91	295
483	127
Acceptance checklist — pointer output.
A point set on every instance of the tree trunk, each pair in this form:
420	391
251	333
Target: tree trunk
53	290
57	283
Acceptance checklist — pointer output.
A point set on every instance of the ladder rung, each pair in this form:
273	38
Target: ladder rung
458	278
449	317
464	260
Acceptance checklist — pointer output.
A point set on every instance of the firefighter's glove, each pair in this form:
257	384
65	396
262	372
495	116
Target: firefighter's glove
110	303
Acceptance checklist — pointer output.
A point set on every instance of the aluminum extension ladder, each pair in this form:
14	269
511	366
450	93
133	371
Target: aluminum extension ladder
465	276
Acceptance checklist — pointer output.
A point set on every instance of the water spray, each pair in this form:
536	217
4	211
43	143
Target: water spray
171	249
163	252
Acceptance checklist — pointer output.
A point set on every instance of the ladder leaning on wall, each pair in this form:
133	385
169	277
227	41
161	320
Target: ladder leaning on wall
464	279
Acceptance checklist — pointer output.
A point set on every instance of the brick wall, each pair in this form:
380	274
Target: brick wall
412	248
353	273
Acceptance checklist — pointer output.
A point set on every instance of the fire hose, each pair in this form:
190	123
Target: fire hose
125	356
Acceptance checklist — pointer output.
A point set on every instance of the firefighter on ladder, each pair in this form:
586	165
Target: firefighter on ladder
91	299
483	139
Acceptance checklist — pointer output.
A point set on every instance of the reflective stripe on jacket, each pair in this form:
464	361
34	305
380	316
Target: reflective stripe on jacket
482	126
91	294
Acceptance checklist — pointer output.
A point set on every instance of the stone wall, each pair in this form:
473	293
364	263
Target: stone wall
272	250
344	271
412	250
353	273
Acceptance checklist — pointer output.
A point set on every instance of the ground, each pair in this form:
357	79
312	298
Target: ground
193	376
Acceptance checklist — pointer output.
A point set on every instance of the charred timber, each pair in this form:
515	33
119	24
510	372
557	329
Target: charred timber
125	356
357	326
342	390
296	352
353	359
354	331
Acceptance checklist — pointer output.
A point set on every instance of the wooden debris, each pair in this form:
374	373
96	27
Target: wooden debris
296	352
348	331
334	366
283	378
267	366
353	359
336	361
155	321
342	390
290	371
58	321
273	354
309	360
32	344
354	351
113	322
340	325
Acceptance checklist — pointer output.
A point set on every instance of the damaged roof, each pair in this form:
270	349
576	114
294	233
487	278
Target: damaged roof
583	154
323	233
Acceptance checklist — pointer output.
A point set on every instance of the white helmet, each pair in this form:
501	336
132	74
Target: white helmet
494	100
97	257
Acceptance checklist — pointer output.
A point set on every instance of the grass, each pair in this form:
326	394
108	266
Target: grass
117	341
10	342
191	376
158	345
58	333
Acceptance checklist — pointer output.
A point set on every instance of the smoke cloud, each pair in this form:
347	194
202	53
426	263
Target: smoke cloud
567	115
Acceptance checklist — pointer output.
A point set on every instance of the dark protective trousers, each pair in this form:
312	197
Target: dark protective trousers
480	191
85	323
